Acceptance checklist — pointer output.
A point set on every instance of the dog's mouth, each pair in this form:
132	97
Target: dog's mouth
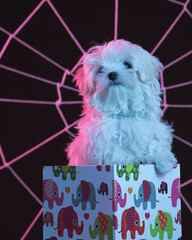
115	84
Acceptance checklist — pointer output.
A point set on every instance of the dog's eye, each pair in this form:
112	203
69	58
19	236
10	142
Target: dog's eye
100	70
127	64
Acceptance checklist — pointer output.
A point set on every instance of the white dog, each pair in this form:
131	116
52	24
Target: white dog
121	122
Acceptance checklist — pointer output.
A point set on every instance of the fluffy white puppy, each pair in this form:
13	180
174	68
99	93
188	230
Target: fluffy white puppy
121	119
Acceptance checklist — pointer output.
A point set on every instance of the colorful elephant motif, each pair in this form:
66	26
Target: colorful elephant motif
117	196
85	193
178	219
48	218
50	193
103	226
52	238
130	221
146	193
163	223
107	168
64	170
163	188
103	189
68	219
127	170
175	192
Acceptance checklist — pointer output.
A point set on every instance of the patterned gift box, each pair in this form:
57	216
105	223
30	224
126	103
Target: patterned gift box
111	202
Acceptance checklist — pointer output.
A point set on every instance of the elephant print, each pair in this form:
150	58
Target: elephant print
127	170
163	223
103	226
68	219
52	238
146	193
163	188
130	221
103	189
50	193
107	168
175	192
178	219
117	197
85	193
48	218
64	170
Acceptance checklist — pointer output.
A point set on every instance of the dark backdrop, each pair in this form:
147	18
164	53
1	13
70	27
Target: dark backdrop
25	125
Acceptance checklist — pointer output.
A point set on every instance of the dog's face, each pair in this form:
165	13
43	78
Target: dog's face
118	77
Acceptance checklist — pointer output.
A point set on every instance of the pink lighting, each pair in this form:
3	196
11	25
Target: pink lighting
59	85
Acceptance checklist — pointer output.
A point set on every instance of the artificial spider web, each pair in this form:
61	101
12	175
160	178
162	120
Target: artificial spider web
62	86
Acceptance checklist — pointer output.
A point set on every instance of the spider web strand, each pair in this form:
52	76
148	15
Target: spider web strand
29	75
5	46
182	140
71	102
29	17
39	145
19	28
186	183
188	12
25	186
178	59
36	77
65	26
76	65
168	31
116	20
61	115
32	224
186	203
19	179
178	85
34	50
26	101
176	2
179	106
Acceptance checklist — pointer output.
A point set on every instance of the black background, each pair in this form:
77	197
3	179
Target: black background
23	126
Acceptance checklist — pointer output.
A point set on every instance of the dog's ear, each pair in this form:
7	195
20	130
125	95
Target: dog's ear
148	68
83	82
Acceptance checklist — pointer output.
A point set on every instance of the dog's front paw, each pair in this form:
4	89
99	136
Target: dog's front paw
165	166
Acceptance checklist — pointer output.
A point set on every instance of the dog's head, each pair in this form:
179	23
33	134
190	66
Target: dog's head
120	77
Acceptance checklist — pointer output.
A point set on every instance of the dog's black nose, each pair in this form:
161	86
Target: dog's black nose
113	76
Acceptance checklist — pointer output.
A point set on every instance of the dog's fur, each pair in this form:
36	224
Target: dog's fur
121	120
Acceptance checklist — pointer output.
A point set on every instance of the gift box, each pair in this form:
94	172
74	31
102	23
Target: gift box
111	202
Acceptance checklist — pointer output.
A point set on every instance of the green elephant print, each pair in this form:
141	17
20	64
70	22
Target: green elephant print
64	170
103	226
163	223
127	170
85	193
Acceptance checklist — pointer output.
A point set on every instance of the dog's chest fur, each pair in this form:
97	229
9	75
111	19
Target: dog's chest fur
115	140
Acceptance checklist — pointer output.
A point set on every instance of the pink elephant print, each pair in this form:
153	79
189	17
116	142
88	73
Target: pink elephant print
130	221
85	193
117	197
146	193
178	219
68	219
175	192
51	193
48	218
107	168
